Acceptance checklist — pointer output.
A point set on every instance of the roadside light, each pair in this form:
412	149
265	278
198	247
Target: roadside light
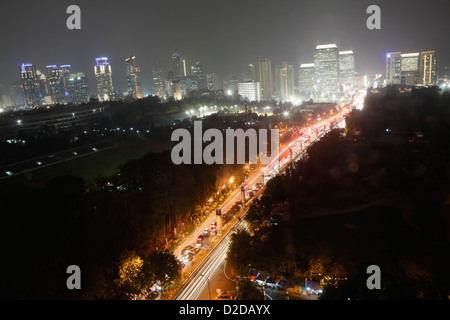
231	180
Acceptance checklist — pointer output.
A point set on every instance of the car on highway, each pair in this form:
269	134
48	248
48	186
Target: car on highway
226	295
200	241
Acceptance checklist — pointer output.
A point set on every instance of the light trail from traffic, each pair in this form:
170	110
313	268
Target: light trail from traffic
197	281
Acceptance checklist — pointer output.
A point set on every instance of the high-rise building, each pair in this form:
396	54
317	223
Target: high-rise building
249	90
213	81
30	84
346	70
78	88
133	75
17	94
188	84
393	67
306	81
197	72
284	81
265	78
176	89
410	68
232	85
250	74
428	67
326	70
179	66
103	75
55	83
64	71
158	81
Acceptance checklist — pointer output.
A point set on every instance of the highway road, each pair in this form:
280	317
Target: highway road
291	151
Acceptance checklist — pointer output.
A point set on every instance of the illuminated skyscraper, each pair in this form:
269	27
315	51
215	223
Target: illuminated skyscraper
213	81
103	75
326	70
158	81
179	66
306	81
249	90
78	88
428	67
30	84
55	83
410	68
133	74
346	70
284	81
393	68
265	78
197	72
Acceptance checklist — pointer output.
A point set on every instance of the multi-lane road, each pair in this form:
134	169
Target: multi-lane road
301	139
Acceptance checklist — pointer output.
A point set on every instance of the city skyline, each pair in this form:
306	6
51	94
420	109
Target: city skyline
216	47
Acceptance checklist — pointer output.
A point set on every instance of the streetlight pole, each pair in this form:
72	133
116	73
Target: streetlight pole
209	289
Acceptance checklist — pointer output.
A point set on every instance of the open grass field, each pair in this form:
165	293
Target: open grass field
104	163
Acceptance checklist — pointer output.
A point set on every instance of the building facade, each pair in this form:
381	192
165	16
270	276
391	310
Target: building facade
213	81
30	85
346	71
284	81
326	70
411	69
78	88
103	75
133	75
306	81
265	78
158	81
249	90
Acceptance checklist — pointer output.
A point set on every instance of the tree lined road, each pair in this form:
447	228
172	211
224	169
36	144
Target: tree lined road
291	151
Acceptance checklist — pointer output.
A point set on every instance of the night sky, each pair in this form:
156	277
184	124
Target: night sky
224	36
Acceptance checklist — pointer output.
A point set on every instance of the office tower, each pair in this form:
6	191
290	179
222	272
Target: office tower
30	85
44	93
393	67
197	72
188	84
251	73
133	75
346	70
428	67
55	84
213	81
179	66
410	68
64	71
103	75
158	81
169	84
264	77
249	90
176	89
284	81
306	81
232	85
78	88
17	94
326	72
